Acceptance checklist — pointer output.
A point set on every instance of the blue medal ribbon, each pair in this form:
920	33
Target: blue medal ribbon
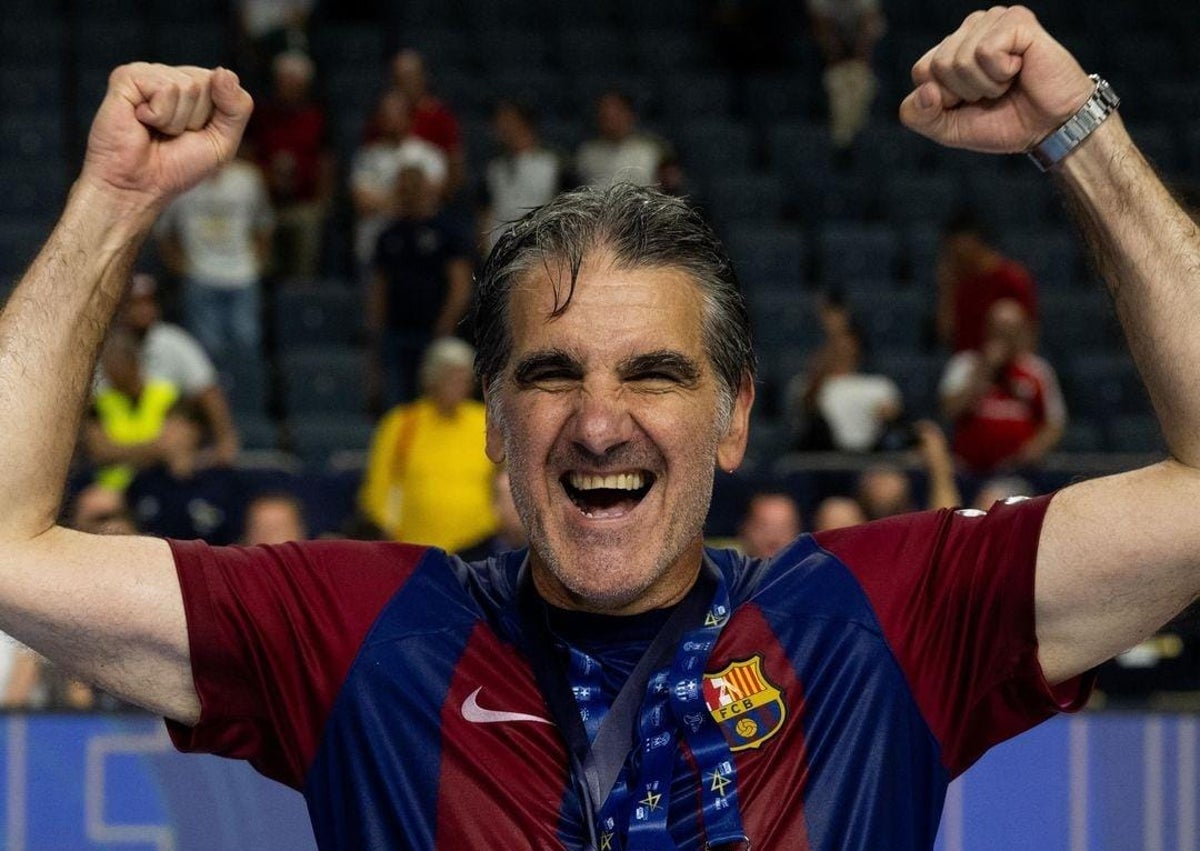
632	815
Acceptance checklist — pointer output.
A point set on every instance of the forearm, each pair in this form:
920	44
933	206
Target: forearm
50	332
1148	250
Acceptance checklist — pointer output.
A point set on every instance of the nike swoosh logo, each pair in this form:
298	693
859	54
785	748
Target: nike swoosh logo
476	714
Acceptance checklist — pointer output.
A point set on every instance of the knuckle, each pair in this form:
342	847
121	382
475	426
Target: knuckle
942	66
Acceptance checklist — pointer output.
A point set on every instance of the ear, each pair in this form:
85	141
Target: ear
732	447
494	442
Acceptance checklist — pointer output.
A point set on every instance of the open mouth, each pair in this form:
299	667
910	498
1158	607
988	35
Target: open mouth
610	495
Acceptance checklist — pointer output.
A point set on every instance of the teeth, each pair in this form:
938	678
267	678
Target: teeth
618	481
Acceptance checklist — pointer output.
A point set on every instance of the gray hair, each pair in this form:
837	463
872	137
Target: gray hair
641	227
441	353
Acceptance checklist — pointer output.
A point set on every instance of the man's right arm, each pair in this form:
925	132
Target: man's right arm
107	608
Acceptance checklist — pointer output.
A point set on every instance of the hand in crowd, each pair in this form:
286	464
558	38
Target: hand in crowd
1000	83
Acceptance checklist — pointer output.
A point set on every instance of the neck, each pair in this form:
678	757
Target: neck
667	590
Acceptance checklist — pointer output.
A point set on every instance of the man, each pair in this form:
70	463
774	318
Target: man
274	517
217	238
1003	399
290	141
433	120
972	275
620	151
420	286
825	701
846	32
169	353
376	166
772	522
524	176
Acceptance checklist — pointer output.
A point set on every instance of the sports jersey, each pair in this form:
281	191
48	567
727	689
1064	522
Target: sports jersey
389	683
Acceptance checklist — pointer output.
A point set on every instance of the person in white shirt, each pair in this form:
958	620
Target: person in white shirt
620	152
377	166
525	176
217	237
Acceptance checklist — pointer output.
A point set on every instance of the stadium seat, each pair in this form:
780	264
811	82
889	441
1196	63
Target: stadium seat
33	134
30	87
29	40
444	49
33	186
917	376
509	49
846	252
711	147
547	92
771	98
345	45
201	42
1081	435
590	50
588	87
691	95
1007	202
325	379
738	199
1077	321
1157	142
321	315
767	256
20	239
893	320
1052	258
246	383
658	52
917	199
103	44
1136	433
1101	386
257	432
798	148
783	319
316	437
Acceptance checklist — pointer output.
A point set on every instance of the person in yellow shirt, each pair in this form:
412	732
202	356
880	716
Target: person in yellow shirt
428	479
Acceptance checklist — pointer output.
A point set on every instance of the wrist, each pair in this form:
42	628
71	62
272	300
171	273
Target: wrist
111	214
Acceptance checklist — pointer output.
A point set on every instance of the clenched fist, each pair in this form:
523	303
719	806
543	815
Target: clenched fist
160	130
1000	83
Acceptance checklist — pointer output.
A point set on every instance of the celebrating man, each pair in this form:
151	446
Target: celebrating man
619	686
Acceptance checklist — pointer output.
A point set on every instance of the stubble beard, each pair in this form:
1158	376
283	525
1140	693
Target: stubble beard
619	568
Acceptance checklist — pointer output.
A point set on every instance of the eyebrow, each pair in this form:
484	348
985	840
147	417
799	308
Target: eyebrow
555	359
676	364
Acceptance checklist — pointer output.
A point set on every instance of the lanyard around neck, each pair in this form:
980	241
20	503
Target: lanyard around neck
677	653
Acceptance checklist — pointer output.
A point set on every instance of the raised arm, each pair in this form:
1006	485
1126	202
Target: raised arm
1118	556
107	608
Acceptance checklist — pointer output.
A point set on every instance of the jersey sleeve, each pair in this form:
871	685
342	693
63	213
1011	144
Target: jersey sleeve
272	633
954	594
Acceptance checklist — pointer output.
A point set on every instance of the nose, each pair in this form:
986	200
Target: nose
602	420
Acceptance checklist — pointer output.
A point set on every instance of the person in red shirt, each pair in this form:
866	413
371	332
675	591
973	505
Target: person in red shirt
972	276
1003	399
289	137
432	120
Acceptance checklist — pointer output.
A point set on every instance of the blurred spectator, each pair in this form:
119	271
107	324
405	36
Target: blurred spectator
1000	488
289	137
98	510
178	498
847	31
885	490
1003	399
972	276
620	152
421	280
510	532
834	405
772	522
169	353
275	517
428	479
432	119
837	512
271	27
217	238
125	431
377	165
525	176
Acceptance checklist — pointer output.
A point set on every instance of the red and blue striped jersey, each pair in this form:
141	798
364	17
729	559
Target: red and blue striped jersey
860	671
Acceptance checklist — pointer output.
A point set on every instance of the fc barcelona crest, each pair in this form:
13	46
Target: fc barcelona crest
747	706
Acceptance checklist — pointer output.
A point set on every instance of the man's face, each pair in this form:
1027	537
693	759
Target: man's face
610	419
772	523
614	118
273	521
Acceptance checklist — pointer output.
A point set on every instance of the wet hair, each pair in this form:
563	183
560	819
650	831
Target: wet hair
641	228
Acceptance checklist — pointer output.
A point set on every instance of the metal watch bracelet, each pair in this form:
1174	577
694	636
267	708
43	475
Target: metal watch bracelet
1050	151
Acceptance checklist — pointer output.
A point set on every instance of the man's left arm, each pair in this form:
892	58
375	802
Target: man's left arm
1117	556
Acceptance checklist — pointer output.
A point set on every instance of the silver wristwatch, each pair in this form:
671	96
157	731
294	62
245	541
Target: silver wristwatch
1051	150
